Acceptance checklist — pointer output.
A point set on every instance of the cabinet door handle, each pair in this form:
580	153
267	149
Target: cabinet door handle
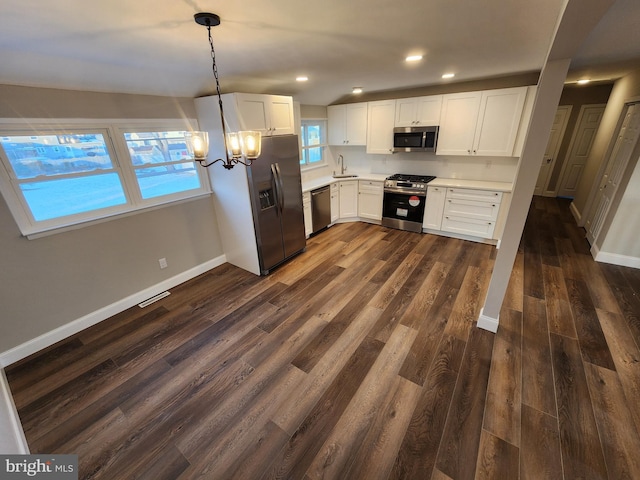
489	223
493	205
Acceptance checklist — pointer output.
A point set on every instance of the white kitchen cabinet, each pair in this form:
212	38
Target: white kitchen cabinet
306	209
348	198
269	114
471	212
370	195
347	124
418	111
380	126
434	208
335	202
481	123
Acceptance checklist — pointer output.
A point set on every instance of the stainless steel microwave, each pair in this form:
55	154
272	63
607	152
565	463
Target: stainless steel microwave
415	139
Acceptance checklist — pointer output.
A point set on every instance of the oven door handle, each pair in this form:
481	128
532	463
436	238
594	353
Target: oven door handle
404	191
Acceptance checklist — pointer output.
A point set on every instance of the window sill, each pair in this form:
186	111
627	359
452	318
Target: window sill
35	234
315	166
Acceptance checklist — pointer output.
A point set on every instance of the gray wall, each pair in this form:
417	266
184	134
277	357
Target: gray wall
620	229
623	89
576	96
50	281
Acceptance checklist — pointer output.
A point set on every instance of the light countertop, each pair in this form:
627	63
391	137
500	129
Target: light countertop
322	181
438	182
473	184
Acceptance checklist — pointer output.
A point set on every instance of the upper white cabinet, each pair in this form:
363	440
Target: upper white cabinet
269	114
347	124
481	123
380	126
418	111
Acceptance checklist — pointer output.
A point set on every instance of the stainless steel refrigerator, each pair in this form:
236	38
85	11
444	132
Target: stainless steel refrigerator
275	189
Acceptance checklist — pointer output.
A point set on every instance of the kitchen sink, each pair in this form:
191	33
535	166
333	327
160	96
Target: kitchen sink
344	175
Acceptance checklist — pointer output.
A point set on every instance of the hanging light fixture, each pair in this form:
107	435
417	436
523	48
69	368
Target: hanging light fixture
237	145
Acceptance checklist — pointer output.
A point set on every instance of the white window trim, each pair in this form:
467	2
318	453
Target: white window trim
113	129
323	163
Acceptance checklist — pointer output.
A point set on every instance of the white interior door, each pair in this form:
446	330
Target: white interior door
614	169
553	146
585	132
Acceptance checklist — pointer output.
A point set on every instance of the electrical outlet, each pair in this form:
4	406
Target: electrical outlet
163	262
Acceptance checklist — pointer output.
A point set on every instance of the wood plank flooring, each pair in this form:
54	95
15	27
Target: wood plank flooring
359	359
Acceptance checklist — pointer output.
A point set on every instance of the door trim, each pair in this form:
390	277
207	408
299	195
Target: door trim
572	144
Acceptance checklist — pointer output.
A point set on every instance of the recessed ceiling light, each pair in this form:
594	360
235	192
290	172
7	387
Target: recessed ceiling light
357	90
583	81
448	75
302	78
413	58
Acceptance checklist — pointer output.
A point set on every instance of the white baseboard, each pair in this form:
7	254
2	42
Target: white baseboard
75	326
576	214
614	258
12	439
488	323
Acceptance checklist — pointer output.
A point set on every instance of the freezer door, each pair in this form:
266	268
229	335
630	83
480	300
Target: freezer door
276	191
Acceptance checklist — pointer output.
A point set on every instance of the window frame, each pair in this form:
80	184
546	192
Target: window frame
305	165
113	133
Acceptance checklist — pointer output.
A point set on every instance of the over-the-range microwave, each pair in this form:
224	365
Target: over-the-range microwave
415	139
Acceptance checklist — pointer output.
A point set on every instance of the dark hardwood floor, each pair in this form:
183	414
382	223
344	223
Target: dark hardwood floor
359	359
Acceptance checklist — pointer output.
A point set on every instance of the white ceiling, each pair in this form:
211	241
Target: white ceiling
155	47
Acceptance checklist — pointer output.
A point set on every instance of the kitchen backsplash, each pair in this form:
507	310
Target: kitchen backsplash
357	161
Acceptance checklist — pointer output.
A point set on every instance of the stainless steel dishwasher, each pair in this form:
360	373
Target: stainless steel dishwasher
321	208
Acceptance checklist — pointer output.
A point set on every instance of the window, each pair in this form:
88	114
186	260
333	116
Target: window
161	163
313	133
56	177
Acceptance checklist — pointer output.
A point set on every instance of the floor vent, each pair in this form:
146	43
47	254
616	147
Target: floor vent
149	301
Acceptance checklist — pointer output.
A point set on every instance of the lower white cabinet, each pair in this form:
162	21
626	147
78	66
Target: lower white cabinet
306	208
335	202
471	212
434	208
370	195
348	198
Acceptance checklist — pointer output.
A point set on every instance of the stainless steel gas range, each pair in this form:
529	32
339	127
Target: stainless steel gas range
404	201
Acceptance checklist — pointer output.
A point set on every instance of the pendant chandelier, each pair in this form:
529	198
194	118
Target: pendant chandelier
239	147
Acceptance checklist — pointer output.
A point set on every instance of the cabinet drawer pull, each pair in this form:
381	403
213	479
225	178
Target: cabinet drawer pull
493	205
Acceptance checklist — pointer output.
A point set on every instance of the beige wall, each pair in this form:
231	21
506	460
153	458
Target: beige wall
522	80
50	281
313	111
623	89
576	96
29	102
619	234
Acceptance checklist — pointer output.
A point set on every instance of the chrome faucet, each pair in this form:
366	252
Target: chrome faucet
341	162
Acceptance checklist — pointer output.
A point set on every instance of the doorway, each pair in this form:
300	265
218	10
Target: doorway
553	147
627	138
579	149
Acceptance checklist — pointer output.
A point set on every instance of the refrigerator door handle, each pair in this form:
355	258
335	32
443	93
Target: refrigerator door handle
280	186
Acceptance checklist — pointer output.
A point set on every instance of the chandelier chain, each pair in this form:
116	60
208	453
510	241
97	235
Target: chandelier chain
215	75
